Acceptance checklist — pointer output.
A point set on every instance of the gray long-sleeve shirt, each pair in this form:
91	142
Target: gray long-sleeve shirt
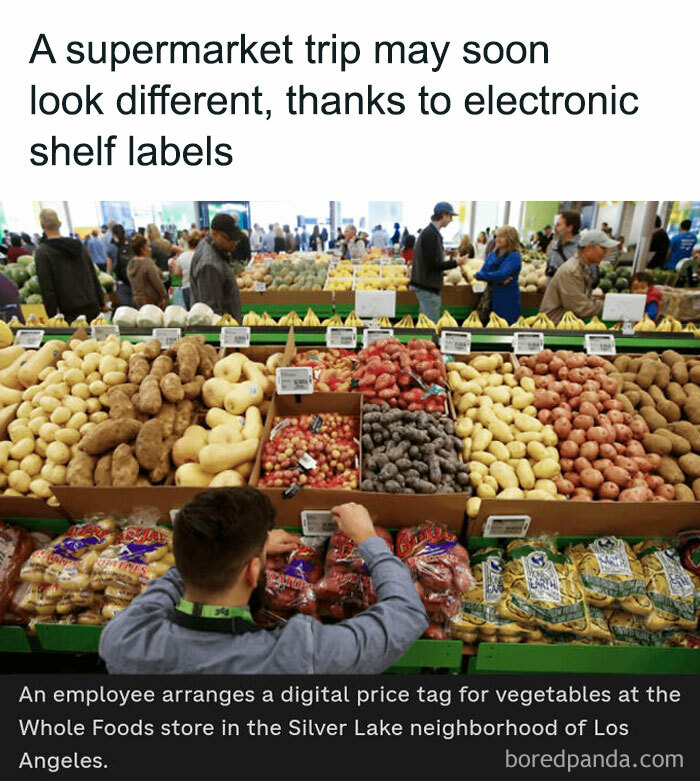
143	638
213	280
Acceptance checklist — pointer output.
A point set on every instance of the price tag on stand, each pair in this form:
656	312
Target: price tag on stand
260	287
375	303
341	338
235	336
100	332
478	287
455	342
30	340
317	523
528	342
600	344
293	380
166	336
506	526
370	335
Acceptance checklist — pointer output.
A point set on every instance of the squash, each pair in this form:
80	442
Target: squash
219	417
218	458
29	367
187	448
191	475
253	372
9	376
215	390
227	434
9	395
242	396
253	425
230	367
227	478
9	355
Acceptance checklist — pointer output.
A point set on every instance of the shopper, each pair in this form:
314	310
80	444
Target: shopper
212	279
182	264
404	236
67	279
571	286
256	238
380	239
643	284
565	244
242	254
118	257
429	262
316	241
16	249
198	618
480	247
659	245
353	246
107	233
396	235
324	238
339	239
546	238
407	253
501	271
280	241
466	248
97	250
304	238
144	276
161	249
9	296
681	246
28	243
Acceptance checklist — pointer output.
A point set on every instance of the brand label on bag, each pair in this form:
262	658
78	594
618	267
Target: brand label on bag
166	336
370	335
100	332
507	526
455	343
294	379
235	336
341	338
29	339
528	342
600	344
542	578
611	556
317	523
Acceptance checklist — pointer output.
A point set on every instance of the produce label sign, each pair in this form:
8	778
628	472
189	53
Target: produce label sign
600	344
370	335
611	556
317	523
528	342
293	380
100	332
260	287
375	303
341	338
679	582
166	336
507	526
455	343
542	578
235	336
29	339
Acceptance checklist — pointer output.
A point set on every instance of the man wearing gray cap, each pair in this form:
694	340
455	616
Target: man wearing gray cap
429	262
571	286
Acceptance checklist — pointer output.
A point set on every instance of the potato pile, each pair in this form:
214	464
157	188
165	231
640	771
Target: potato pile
510	452
237	396
665	390
11	388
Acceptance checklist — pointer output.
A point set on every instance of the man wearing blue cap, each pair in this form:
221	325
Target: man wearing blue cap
429	262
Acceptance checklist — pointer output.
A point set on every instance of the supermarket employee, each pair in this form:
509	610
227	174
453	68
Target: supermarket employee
197	617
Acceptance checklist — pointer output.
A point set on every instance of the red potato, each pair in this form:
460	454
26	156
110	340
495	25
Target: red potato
626	463
563	373
591	478
544	356
566	464
600	434
572	389
607	450
523	371
582	463
576	360
574	401
654	482
591	386
582	494
617	475
615	416
583	422
541	368
563	428
544	416
609	385
659	499
603	397
587	408
643	464
561	412
638	494
626	418
589	450
545	399
602	463
568	449
666	491
609	490
556	364
591	396
541	382
564	486
578	435
619	446
634	448
638	427
557	386
623	433
573	477
655	460
577	376
595	361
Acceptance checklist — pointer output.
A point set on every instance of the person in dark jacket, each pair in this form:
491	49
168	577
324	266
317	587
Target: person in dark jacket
67	279
396	235
144	276
280	241
242	254
118	257
9	296
16	250
429	262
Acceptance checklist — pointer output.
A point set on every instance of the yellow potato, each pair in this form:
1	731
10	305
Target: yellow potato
40	447
69	436
22	448
58	452
77	420
81	390
48	431
31	464
61	415
19	481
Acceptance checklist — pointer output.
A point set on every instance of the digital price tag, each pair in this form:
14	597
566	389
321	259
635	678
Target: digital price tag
478	287
166	336
29	339
528	342
600	344
341	338
307	462
506	526
260	287
455	342
370	335
294	379
100	332
235	336
375	303
317	523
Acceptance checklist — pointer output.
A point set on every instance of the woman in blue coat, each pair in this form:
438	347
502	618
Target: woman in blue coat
501	271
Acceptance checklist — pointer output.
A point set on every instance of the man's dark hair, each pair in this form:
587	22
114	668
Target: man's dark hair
685	225
15	240
642	276
548	227
573	220
218	532
410	241
657	221
438	216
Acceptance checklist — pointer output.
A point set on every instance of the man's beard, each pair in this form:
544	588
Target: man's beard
256	601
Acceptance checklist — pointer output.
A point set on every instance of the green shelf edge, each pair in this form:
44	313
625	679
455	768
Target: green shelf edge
68	639
431	653
14	640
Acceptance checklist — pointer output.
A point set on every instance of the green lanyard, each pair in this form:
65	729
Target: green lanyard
213	618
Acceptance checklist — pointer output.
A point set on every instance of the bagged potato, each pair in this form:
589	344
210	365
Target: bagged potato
540	586
611	575
600	629
629	629
130	562
669	587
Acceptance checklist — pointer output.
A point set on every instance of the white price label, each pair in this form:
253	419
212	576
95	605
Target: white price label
100	332
307	462
317	523
370	335
294	379
29	339
528	342
375	303
259	287
478	287
235	336
455	343
506	526
166	336
600	344
341	338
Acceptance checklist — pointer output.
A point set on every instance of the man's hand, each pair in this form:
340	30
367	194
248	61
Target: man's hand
354	520
281	541
462	260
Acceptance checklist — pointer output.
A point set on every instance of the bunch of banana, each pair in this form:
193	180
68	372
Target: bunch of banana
265	319
446	321
15	323
226	320
310	319
334	322
79	322
669	324
353	320
251	318
405	322
616	327
691	328
59	321
496	322
99	320
521	322
596	324
569	322
291	318
384	322
542	322
472	321
424	322
646	324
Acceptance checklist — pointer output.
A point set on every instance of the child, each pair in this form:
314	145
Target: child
643	284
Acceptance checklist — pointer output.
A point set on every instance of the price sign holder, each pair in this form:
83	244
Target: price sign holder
100	332
29	339
528	342
167	336
600	344
370	335
294	380
260	287
341	337
317	523
235	336
375	303
507	526
455	342
624	306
